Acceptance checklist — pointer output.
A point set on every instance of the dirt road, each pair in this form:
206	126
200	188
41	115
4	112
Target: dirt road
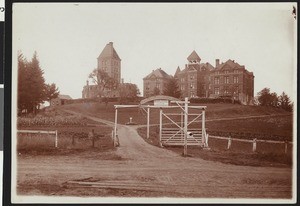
145	170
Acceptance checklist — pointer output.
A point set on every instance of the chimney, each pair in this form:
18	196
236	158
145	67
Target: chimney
217	62
185	65
87	82
111	43
122	80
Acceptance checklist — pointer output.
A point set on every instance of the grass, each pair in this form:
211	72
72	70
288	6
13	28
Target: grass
239	158
213	111
277	126
69	138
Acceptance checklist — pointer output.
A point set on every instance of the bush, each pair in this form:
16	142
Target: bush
214	100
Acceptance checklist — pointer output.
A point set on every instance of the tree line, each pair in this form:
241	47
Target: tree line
32	88
270	99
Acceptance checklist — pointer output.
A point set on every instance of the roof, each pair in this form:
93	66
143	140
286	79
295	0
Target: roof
230	63
62	96
158	73
158	97
194	57
109	52
177	71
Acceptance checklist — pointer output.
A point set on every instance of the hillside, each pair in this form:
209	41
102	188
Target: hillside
222	119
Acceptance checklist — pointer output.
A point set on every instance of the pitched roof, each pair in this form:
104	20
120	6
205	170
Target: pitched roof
109	52
177	71
230	63
63	96
194	57
158	73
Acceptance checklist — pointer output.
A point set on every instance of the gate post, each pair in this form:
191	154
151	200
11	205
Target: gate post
185	126
148	121
160	126
204	142
115	129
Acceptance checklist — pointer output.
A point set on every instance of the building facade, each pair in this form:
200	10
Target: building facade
229	79
155	82
193	80
110	62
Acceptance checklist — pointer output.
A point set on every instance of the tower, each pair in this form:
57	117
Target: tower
194	58
110	62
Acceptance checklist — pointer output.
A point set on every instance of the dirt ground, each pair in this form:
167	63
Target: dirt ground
138	169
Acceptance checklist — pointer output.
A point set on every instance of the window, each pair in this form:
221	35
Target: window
217	80
158	85
182	87
226	71
217	90
235	79
226	80
192	77
192	94
192	85
182	79
226	90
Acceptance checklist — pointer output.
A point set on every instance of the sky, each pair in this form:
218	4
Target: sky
69	37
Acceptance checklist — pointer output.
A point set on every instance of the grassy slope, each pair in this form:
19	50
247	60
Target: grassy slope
279	126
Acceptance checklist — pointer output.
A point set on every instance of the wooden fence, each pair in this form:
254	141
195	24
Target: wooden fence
41	132
253	141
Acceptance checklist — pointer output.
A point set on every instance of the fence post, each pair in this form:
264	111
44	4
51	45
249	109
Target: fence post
229	143
285	146
254	145
56	138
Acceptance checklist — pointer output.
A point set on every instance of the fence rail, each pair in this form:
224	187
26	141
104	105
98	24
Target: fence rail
253	141
41	132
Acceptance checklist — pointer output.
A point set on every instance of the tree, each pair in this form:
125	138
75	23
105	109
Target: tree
128	91
265	98
51	91
172	88
23	84
285	102
103	81
32	90
37	83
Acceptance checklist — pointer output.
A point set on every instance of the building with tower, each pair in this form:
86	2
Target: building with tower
110	62
203	80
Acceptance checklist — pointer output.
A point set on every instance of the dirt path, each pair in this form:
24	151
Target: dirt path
146	170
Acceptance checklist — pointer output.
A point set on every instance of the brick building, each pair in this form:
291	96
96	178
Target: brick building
110	62
232	80
197	79
155	81
193	80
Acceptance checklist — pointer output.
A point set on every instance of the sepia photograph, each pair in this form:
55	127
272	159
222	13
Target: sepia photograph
154	103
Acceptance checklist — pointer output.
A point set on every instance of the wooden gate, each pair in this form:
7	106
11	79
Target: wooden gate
172	132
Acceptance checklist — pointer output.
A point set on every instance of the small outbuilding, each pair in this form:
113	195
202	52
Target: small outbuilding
60	100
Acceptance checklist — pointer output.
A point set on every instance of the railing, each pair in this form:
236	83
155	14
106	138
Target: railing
253	141
41	132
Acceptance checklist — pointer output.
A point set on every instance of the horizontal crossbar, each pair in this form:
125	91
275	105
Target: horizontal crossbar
36	132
